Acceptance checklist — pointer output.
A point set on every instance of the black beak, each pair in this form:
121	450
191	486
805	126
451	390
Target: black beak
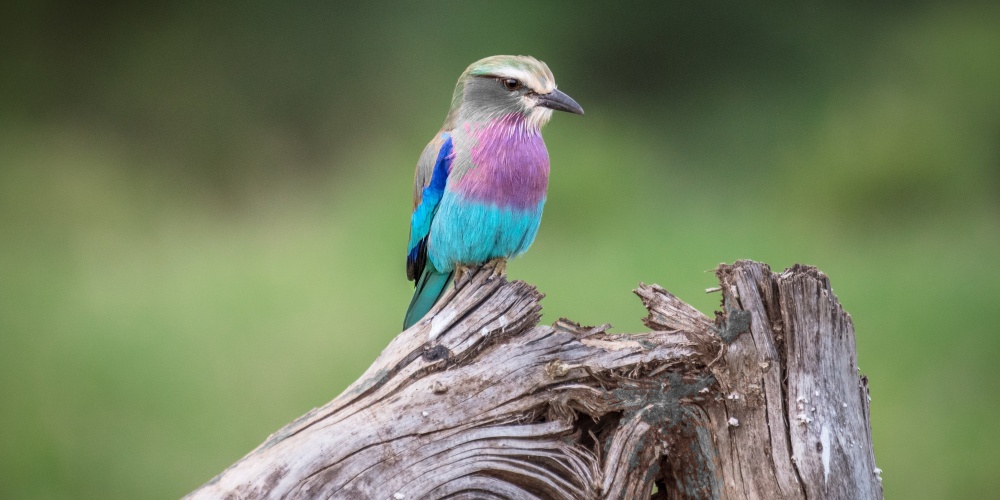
559	101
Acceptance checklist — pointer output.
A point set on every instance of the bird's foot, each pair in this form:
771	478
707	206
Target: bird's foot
461	273
499	268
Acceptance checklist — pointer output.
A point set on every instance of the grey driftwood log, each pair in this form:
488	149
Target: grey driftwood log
762	402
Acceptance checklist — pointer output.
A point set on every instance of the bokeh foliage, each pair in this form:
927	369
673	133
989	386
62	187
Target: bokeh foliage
203	208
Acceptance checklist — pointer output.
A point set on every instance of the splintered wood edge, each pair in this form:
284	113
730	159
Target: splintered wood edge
652	379
805	385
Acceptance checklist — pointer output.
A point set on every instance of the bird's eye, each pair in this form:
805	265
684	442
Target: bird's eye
511	84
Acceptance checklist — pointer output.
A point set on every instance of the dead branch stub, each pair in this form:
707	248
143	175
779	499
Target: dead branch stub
480	401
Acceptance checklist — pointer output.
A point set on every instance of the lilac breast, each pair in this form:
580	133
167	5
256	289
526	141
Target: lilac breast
510	165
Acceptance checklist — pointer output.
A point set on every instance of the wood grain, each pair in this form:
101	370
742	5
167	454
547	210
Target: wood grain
480	401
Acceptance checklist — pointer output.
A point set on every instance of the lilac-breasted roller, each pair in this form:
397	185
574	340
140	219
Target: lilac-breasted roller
480	183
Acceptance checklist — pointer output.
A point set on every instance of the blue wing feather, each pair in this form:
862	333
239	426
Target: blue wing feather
423	214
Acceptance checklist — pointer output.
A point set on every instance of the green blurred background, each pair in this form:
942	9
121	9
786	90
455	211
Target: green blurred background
204	208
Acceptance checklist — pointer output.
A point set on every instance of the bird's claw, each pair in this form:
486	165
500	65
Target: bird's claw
464	273
499	268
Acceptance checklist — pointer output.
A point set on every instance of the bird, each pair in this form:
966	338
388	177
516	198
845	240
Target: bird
480	184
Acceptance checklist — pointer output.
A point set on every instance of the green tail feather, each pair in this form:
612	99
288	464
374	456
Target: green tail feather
430	288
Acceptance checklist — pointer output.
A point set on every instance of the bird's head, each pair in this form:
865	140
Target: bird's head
502	85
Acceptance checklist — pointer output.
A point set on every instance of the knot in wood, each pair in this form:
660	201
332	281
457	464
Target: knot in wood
436	353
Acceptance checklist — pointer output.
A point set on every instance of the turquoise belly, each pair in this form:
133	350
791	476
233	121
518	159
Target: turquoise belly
469	233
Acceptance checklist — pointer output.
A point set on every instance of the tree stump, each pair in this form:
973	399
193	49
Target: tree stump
479	401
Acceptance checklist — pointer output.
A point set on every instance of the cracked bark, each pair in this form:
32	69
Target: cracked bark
479	401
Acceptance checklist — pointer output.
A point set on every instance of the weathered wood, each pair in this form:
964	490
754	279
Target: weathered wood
479	401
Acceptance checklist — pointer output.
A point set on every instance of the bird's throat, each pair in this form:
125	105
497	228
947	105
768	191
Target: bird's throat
508	164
